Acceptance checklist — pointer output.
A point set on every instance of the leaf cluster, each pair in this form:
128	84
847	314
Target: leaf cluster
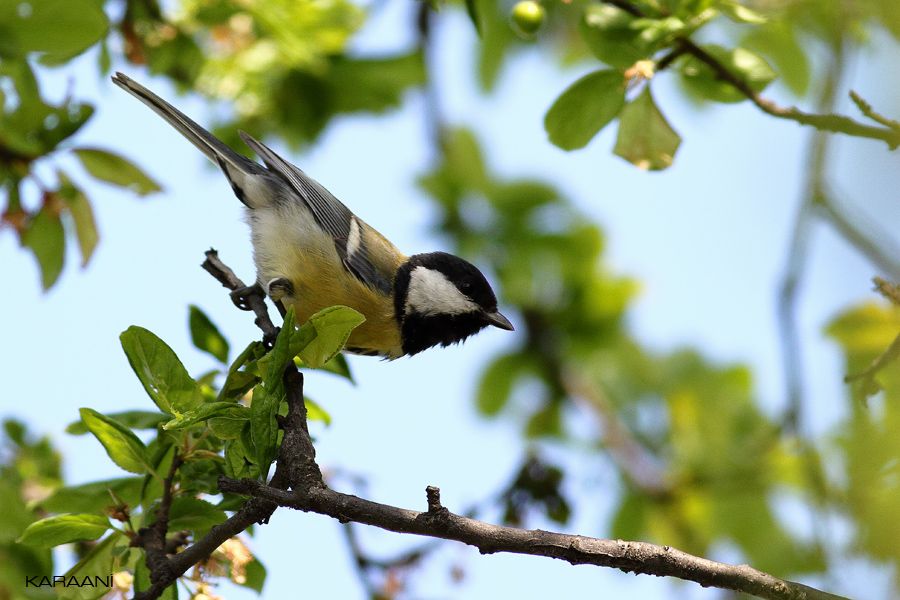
200	430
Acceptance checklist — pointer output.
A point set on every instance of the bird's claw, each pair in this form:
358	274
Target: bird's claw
241	296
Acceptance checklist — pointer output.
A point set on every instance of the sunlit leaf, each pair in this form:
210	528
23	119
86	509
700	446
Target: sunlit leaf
123	447
63	529
315	412
205	411
740	13
132	419
161	373
332	327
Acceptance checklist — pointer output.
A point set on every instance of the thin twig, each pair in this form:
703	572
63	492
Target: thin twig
832	122
889	290
866	109
254	301
891	354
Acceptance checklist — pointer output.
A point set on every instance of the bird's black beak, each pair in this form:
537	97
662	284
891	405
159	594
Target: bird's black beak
498	320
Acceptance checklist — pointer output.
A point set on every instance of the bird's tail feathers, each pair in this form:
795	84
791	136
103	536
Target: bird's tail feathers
214	148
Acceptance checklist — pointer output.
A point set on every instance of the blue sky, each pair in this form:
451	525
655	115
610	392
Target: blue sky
707	239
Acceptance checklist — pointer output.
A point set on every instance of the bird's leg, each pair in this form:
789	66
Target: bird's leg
279	288
242	296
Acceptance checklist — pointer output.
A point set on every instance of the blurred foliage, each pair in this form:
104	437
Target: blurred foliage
700	465
29	471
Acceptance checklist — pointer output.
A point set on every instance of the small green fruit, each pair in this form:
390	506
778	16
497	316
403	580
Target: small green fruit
527	17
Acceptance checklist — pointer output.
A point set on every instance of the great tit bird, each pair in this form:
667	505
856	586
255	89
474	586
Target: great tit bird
312	252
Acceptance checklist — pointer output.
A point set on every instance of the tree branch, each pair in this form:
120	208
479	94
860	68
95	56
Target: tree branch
437	521
889	132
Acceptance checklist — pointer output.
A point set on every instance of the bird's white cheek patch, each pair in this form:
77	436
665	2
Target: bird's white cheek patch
431	293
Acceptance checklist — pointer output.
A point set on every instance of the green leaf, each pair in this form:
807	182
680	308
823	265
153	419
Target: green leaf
63	529
238	382
36	128
142	581
546	421
611	36
337	365
743	64
163	376
228	426
206	335
739	13
114	169
645	138
204	412
497	382
331	327
777	41
194	514
314	412
497	39
82	217
584	108
255	576
61	29
472	11
45	237
102	558
374	84
267	397
239	461
123	447
94	497
132	419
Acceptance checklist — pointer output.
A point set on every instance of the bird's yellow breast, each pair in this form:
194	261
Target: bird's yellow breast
321	281
309	260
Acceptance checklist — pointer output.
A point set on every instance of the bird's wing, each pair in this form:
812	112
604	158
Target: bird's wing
352	237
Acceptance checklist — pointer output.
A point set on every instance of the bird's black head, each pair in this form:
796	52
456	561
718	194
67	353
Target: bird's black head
442	299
